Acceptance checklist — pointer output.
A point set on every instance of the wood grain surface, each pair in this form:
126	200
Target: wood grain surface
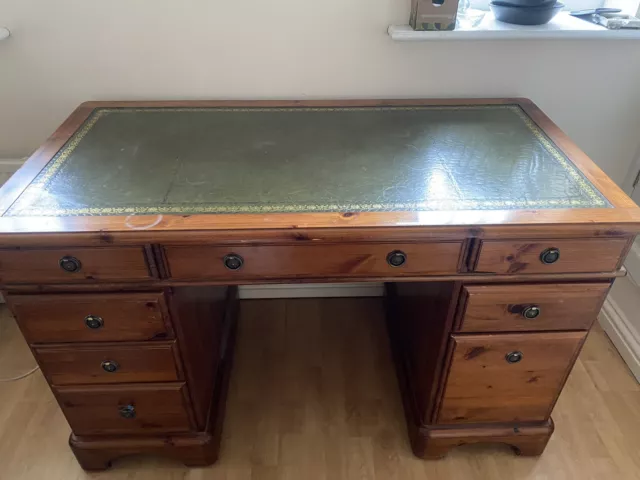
41	266
562	306
95	410
82	364
199	315
483	387
348	260
61	318
420	317
577	255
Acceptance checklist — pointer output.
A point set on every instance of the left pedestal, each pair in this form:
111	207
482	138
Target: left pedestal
136	373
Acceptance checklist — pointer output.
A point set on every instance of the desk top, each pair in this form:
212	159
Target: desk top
248	160
402	158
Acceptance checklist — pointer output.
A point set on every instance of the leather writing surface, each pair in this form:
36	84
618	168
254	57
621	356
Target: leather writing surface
241	160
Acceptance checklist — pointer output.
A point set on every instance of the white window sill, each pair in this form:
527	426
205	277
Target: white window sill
563	26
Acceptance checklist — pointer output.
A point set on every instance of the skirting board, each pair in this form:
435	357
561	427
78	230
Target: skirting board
9	166
625	338
308	290
312	290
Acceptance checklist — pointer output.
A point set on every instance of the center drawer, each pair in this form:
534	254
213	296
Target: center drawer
530	307
345	260
114	363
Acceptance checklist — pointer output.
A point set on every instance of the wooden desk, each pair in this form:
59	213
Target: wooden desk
123	237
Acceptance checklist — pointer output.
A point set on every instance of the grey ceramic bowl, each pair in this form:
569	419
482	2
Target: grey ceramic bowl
527	3
525	15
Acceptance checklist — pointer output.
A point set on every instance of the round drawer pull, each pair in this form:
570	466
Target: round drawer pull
93	321
549	256
531	312
397	258
233	261
70	264
109	366
513	357
128	411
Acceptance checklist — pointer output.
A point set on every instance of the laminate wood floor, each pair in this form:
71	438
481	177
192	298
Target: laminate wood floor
314	396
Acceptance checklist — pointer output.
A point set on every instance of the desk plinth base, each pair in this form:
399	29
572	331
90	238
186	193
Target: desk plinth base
435	442
196	450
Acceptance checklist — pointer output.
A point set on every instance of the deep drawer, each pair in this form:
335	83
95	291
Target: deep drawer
346	260
119	363
507	377
550	256
89	317
73	265
530	307
126	409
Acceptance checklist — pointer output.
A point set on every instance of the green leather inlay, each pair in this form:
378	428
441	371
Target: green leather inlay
251	160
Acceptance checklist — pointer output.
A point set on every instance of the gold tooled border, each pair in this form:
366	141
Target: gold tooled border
21	206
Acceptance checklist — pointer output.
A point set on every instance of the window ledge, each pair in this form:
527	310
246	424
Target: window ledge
563	26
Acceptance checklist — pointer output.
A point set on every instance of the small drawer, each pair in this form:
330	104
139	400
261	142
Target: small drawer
73	265
507	377
91	317
346	260
126	409
522	307
550	256
115	363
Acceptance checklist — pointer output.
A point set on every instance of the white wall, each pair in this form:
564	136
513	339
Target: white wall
63	52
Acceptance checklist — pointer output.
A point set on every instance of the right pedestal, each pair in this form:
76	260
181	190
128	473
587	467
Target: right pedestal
473	368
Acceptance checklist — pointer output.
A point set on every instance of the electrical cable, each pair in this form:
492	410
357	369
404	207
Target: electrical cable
19	377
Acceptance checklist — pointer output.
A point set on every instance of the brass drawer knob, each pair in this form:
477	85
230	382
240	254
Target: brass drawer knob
70	264
109	366
513	357
531	312
93	321
128	411
397	258
549	256
233	261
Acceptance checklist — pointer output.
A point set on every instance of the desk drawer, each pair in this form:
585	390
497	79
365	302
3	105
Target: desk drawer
522	307
345	260
89	317
125	409
483	386
550	256
73	265
116	363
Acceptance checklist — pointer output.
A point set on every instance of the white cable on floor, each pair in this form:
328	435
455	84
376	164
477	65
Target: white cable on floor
19	377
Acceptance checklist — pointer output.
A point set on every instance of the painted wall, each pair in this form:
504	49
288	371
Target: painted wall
64	52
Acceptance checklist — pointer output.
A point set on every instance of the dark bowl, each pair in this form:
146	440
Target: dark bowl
527	3
525	15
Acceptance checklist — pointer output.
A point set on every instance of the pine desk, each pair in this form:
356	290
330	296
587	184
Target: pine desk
123	238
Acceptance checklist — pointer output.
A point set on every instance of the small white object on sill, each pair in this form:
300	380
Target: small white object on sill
563	26
4	33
